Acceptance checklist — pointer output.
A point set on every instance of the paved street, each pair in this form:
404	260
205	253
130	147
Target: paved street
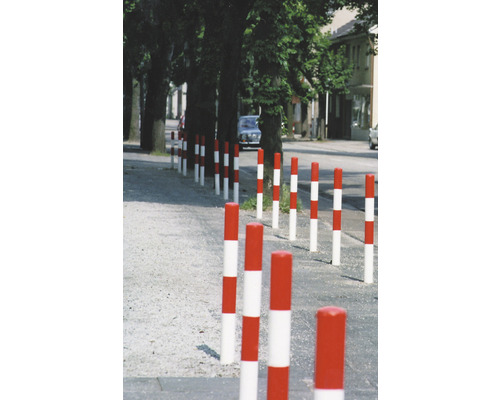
316	283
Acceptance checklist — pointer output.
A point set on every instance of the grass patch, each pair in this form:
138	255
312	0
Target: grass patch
159	153
267	202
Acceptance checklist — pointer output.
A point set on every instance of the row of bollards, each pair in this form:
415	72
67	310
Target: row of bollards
313	236
331	321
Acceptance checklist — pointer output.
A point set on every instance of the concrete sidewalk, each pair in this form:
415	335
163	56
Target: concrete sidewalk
150	184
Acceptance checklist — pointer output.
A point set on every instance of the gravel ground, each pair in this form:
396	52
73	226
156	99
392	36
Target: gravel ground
173	257
171	299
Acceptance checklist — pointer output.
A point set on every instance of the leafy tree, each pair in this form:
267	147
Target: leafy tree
284	45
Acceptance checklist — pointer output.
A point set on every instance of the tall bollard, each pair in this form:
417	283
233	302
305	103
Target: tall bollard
260	182
369	225
228	338
280	316
313	235
293	198
184	154
202	163
179	152
226	170
236	183
172	150
252	287
197	159
216	162
337	215
276	190
330	351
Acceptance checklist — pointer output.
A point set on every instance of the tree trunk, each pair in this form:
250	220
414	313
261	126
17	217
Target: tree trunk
289	116
152	137
227	119
135	112
321	116
127	102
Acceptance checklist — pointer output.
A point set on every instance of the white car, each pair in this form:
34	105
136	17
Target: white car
373	138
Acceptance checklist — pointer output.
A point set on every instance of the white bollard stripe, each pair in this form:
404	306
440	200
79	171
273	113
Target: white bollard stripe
279	338
368	263
314	235
328	394
249	378
252	283
228	338
260	171
293	183
259	205
230	258
293	223
236	191
314	190
369	209
336	248
337	199
276	177
276	211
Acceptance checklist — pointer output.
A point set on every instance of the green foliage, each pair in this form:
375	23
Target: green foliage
267	202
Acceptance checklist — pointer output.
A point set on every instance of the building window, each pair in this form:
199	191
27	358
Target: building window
357	57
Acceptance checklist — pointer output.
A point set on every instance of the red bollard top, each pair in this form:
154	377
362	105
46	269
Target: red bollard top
277	161
236	150
370	186
330	348
315	171
260	156
281	280
231	221
216	144
253	246
337	178
295	166
203	140
197	139
226	147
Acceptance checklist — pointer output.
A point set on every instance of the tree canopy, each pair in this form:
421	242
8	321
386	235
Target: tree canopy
264	51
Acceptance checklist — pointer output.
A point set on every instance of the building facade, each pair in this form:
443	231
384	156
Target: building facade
350	116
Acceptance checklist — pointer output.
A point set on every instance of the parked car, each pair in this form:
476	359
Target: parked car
248	131
373	137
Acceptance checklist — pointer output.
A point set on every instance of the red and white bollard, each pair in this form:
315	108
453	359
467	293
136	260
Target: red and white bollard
313	235
197	159
337	215
226	170
276	190
216	162
330	352
184	154
228	337
260	182
293	198
252	287
369	225
280	319
202	163
236	183
172	150
179	152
